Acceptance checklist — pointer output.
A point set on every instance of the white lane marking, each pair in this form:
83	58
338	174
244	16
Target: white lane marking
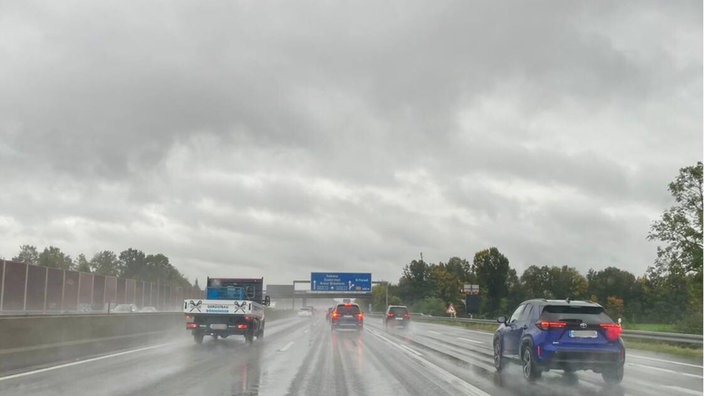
286	347
402	347
448	377
9	377
474	341
433	332
663	360
411	350
682	390
664	370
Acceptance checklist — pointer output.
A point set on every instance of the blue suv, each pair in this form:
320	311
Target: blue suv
560	334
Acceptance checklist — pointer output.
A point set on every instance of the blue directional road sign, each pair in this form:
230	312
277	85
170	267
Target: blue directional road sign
340	282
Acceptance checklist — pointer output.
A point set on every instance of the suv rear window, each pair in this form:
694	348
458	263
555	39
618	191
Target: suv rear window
398	310
567	313
347	310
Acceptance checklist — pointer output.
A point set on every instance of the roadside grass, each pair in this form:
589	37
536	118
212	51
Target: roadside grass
685	351
662	327
661	347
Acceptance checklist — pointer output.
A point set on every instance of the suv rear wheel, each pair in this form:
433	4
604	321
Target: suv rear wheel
613	376
530	370
498	354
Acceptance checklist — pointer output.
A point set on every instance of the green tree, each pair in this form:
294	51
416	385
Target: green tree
28	254
53	257
492	269
106	263
516	293
568	282
537	281
677	273
379	296
430	306
680	227
460	269
133	263
611	282
415	284
158	268
82	264
446	285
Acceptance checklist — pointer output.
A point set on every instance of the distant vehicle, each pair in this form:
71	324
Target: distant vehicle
148	309
305	311
233	306
123	308
347	316
397	316
560	334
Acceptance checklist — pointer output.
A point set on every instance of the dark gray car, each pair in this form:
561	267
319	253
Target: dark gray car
347	316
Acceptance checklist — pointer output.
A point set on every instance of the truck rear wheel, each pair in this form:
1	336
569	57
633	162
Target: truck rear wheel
260	333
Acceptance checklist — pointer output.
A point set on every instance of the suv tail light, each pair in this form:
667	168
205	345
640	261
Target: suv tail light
407	315
360	316
545	325
389	315
613	331
335	314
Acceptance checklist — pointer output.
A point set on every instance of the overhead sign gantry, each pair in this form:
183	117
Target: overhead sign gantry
336	285
340	282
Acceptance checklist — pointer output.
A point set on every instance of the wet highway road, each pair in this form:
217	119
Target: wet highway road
301	356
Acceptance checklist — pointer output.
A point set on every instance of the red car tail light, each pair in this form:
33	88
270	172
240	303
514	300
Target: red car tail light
546	325
613	331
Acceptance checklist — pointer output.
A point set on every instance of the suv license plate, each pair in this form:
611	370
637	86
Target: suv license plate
218	326
399	318
583	333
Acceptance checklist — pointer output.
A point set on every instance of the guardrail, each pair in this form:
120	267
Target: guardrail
680	338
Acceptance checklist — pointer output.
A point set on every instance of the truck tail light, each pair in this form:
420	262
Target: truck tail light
189	318
242	326
191	325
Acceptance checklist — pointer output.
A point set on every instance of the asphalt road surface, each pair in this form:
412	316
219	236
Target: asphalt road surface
301	356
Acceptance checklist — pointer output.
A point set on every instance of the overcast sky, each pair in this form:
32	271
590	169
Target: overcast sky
275	139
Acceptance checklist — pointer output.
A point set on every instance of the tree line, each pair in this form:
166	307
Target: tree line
130	264
669	292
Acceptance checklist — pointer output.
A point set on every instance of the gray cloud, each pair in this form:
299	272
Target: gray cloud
279	139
